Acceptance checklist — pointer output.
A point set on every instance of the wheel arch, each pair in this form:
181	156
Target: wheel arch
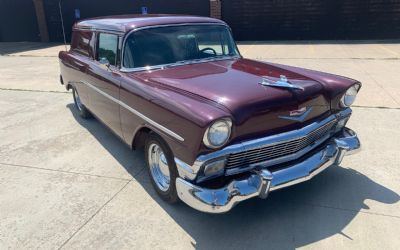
140	137
68	86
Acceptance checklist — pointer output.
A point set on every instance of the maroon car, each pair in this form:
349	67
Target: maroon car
216	128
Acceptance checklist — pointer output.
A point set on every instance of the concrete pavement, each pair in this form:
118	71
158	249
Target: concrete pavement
69	183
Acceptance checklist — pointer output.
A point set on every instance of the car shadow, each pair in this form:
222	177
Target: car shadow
288	219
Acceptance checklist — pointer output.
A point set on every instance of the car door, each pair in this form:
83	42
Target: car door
105	81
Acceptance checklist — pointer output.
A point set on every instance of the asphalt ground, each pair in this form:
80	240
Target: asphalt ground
69	183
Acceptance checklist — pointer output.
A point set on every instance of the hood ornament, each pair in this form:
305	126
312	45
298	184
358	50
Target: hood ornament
298	115
281	83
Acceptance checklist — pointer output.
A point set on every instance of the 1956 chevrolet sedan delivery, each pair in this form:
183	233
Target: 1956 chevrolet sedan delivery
216	128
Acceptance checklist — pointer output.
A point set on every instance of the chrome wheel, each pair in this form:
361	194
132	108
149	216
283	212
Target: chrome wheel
78	102
82	110
159	167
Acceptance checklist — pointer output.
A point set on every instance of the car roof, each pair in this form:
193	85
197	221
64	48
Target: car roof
125	23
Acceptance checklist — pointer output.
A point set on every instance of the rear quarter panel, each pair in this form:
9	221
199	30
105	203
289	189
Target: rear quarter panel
73	71
74	63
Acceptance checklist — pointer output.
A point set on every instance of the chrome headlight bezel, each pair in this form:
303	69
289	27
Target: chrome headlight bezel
208	140
350	95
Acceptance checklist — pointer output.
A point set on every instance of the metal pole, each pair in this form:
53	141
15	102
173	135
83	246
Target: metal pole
62	24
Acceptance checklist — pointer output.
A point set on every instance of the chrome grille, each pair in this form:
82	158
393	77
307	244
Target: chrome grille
279	149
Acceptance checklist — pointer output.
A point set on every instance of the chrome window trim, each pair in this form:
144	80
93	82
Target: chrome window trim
163	66
135	112
123	69
110	31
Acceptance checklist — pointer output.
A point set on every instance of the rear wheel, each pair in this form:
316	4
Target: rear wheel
161	167
83	111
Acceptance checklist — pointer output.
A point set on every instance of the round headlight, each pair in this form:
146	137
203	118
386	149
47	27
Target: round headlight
218	133
350	96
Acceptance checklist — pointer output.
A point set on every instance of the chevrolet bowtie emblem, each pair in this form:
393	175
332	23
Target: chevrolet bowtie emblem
298	115
281	83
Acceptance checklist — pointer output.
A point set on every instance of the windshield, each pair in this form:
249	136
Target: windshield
177	44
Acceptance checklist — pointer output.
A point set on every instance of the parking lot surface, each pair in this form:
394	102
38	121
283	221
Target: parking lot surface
70	183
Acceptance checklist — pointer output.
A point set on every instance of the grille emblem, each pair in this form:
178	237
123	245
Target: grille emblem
298	115
281	83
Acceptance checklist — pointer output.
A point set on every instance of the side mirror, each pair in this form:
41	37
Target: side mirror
104	61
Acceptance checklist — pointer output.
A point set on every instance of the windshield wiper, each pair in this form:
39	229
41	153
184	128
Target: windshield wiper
198	60
206	59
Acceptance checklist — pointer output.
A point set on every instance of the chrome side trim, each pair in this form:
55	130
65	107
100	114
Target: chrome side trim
135	112
262	181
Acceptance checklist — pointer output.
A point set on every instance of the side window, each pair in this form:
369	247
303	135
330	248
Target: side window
81	42
107	48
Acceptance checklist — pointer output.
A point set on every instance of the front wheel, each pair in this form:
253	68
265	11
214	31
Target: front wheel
161	167
83	112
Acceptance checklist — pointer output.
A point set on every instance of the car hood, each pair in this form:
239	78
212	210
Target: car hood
235	85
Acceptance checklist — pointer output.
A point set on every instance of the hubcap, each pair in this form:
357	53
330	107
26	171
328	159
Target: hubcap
159	167
78	100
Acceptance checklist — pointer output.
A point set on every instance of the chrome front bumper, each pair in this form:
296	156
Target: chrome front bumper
262	181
